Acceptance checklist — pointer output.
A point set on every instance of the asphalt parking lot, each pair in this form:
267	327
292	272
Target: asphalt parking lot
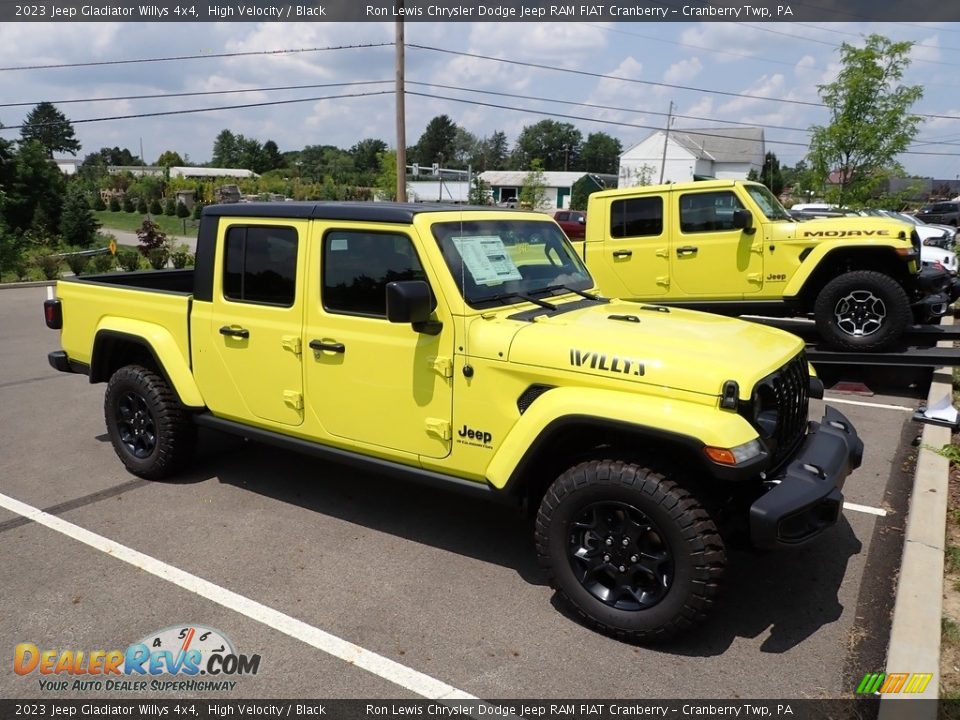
436	583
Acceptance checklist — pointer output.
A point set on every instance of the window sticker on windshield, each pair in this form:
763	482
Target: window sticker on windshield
487	259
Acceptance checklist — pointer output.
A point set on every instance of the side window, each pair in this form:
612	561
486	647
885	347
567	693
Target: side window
260	265
357	267
708	212
636	217
562	216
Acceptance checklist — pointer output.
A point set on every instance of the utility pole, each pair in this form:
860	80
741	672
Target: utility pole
666	138
401	115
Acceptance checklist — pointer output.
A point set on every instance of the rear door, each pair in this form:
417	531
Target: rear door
248	359
635	248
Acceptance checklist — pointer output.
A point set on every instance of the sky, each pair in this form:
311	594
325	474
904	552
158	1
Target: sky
623	75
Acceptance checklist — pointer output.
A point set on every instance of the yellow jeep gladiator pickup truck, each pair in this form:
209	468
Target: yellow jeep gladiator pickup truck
464	348
730	247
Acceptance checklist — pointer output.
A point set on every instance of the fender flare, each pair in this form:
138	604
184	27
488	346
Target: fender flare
689	424
159	342
814	259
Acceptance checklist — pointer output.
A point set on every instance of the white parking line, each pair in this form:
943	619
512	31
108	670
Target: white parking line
865	509
383	667
882	406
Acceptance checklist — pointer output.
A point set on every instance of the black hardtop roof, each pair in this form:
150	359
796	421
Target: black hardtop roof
363	211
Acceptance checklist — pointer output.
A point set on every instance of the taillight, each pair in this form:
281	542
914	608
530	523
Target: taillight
53	314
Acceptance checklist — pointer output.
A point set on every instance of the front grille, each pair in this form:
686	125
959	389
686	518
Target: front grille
787	391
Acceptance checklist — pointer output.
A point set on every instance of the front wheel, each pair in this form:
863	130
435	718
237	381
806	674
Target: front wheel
862	310
629	550
151	433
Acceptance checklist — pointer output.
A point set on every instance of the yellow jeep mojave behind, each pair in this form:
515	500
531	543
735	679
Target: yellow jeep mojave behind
729	246
466	348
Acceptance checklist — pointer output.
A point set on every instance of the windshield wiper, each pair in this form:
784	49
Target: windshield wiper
536	301
581	293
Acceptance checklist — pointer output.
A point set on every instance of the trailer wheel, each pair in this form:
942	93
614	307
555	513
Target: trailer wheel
151	433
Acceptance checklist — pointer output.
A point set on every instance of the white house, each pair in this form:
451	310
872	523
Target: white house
68	166
728	153
506	184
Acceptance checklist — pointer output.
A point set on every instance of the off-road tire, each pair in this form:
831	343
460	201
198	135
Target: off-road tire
151	432
862	310
696	551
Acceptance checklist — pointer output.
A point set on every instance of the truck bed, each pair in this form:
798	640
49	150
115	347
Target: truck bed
147	304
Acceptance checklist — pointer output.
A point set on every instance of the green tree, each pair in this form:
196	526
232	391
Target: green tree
600	153
114	204
272	157
770	174
78	226
366	155
36	190
480	193
556	145
870	119
182	210
533	192
155	207
170	158
128	204
142	206
386	184
226	152
492	153
465	147
48	126
437	144
169	206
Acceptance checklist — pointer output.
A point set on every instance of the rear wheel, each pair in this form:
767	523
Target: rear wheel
862	310
629	550
151	433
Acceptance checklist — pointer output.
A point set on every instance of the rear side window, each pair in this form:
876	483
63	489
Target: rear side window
357	267
260	265
636	217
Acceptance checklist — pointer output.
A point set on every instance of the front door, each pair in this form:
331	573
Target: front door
710	257
369	380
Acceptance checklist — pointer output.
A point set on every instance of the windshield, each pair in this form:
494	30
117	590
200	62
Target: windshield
495	261
769	205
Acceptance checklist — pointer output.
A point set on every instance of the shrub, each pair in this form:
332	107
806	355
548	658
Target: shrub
182	210
103	263
182	257
155	208
47	263
142	206
169	207
151	237
77	263
197	210
128	205
157	257
128	259
114	205
98	203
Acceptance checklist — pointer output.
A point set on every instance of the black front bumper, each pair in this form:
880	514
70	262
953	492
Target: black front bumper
806	499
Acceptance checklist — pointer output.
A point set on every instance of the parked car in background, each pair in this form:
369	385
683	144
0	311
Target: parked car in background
941	236
573	222
947	213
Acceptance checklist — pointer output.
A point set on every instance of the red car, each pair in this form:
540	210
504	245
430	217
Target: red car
573	222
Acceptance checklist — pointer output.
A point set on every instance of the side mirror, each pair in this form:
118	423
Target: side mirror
410	301
743	219
582	220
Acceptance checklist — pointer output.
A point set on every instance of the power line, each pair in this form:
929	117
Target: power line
202	56
211	109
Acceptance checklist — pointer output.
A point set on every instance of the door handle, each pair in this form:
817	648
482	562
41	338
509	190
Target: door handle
331	347
687	250
235	332
622	253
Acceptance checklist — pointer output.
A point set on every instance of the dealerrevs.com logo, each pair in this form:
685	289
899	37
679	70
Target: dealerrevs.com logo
172	659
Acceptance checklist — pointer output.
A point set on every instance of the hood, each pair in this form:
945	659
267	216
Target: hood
665	347
854	228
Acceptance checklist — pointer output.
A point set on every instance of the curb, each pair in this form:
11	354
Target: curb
915	631
32	284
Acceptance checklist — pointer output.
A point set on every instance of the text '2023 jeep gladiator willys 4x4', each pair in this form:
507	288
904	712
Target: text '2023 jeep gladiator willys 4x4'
464	348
